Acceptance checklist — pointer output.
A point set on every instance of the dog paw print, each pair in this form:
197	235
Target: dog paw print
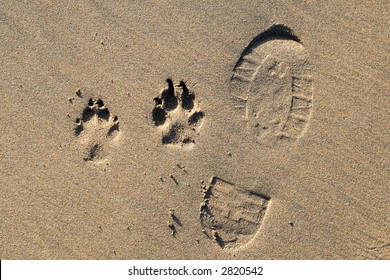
96	128
177	114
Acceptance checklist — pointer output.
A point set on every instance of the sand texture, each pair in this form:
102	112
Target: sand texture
195	129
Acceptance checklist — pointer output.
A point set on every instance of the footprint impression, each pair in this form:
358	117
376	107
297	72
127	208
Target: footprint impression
177	114
97	129
230	214
272	87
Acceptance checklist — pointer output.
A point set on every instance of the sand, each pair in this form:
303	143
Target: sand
195	130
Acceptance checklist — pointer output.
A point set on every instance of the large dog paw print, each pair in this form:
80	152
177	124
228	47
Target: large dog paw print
178	115
96	128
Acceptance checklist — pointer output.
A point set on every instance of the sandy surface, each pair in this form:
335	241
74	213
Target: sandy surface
269	140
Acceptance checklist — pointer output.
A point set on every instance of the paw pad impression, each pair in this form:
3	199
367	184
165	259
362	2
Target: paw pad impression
96	128
177	114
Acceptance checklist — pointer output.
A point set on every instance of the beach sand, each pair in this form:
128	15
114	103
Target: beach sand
195	130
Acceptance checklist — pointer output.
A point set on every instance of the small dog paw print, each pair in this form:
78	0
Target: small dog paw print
96	128
177	114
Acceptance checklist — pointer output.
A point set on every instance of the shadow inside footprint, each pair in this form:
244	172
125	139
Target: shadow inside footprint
79	127
88	113
95	107
104	113
93	152
159	116
114	127
168	97
174	134
187	98
195	118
